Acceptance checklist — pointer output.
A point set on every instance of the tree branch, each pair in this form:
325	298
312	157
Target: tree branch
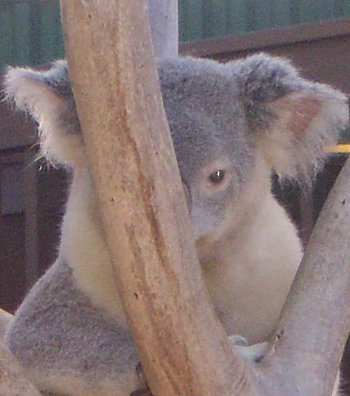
164	27
315	321
183	348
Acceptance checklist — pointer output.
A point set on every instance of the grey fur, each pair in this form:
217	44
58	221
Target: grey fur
222	117
56	79
60	331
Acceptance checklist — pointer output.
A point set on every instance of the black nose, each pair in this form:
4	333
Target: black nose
187	195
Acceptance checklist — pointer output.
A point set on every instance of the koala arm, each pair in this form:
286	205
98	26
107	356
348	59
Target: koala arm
67	345
249	353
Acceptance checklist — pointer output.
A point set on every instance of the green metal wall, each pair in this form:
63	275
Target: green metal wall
210	18
30	31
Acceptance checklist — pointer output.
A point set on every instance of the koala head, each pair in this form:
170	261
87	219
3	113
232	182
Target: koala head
229	123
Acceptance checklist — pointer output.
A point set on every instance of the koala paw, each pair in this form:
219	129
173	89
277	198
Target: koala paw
250	353
238	340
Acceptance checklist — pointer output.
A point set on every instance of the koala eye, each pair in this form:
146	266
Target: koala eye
217	176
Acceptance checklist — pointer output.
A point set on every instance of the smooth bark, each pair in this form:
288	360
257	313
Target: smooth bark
315	321
182	346
164	27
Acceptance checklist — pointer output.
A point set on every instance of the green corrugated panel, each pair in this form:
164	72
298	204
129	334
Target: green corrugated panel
342	8
5	38
280	13
236	16
30	31
309	11
214	18
259	14
346	10
51	42
294	12
191	15
222	17
14	24
36	32
325	10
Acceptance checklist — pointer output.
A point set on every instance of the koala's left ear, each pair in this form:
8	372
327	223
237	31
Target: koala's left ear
294	120
47	97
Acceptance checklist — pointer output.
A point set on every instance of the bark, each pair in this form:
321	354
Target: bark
12	380
315	321
164	27
182	346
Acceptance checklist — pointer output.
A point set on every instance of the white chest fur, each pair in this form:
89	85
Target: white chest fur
265	253
251	279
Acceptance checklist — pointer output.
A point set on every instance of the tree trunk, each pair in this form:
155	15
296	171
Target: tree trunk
164	27
182	346
315	321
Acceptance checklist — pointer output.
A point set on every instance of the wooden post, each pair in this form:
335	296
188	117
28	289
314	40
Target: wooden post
183	348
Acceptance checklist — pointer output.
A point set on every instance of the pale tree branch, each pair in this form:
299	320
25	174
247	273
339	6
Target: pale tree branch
182	346
164	27
315	321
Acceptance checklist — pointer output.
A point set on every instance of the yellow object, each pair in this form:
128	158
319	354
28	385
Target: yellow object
338	148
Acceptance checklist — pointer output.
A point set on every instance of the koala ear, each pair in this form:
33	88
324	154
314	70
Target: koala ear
293	120
47	97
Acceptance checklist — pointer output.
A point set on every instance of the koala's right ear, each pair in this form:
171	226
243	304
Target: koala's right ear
292	119
47	97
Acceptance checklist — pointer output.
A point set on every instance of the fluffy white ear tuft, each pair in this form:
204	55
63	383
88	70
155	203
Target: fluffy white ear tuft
306	122
27	89
47	97
293	119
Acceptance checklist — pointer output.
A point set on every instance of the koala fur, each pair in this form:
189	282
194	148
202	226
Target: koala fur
231	124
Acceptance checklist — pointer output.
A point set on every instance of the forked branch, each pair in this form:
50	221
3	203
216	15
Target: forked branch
182	346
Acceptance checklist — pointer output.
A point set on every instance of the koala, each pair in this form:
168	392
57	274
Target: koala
231	125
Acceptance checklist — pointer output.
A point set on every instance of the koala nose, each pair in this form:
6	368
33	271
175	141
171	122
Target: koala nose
187	195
